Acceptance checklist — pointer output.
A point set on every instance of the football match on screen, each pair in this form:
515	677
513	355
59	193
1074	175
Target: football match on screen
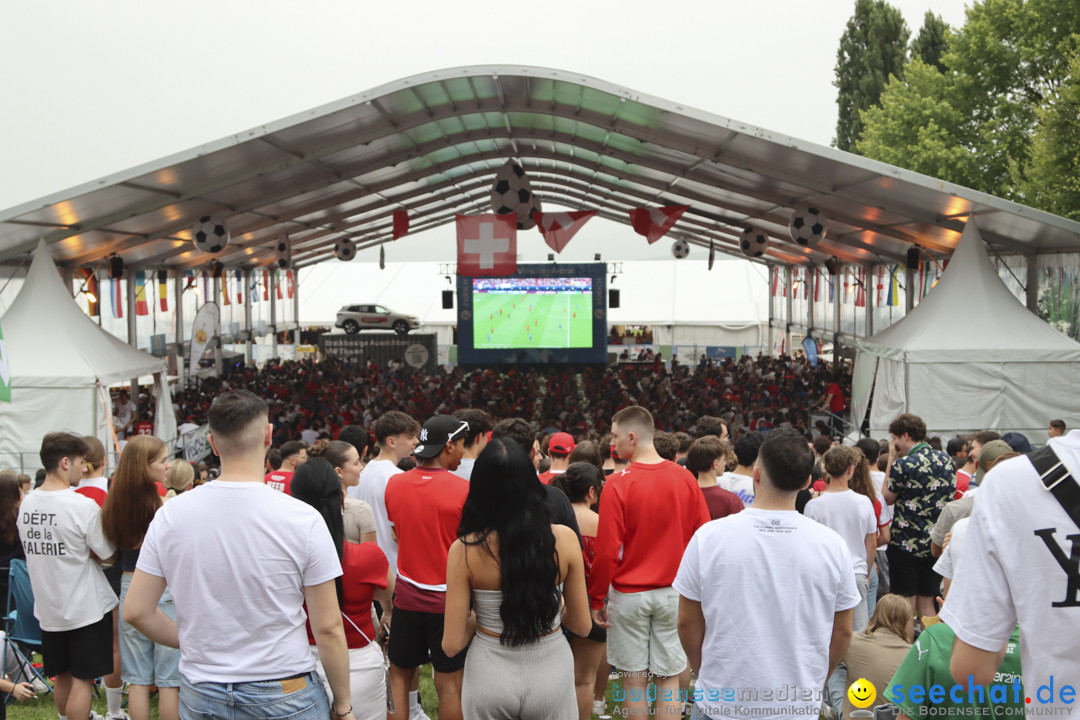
532	313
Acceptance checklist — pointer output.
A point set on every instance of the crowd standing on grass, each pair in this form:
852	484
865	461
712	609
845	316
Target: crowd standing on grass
527	533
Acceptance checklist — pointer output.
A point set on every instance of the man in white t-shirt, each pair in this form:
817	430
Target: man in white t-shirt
741	480
480	426
242	561
126	413
1026	572
793	625
64	545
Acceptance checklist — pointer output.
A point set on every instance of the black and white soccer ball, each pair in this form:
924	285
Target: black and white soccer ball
283	248
808	226
680	249
345	249
754	242
210	234
512	195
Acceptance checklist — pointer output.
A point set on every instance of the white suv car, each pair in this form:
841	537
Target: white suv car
354	318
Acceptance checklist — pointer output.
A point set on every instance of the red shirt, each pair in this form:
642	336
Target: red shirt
96	494
280	480
363	569
963	482
721	502
651	512
144	428
546	477
424	505
836	402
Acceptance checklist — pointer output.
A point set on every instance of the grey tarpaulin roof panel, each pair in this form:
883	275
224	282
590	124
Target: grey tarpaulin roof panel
432	143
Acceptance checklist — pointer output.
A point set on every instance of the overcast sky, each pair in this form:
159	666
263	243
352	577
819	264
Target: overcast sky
94	87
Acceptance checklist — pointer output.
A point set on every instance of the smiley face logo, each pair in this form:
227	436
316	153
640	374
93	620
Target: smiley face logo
862	693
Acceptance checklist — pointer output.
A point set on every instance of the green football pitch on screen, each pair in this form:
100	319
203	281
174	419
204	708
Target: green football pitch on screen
560	319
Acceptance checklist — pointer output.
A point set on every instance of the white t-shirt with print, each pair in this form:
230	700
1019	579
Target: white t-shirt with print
769	583
1025	571
372	490
741	485
851	515
59	530
237	557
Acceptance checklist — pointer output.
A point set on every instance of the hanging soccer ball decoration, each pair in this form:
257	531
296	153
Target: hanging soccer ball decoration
808	226
345	249
513	195
283	248
210	234
680	249
753	242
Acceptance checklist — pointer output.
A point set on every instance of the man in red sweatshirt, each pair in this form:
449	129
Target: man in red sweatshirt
650	511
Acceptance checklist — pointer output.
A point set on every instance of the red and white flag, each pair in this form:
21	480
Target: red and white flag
486	245
654	223
401	223
559	227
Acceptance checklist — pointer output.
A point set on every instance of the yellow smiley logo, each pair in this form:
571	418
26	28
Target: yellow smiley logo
862	693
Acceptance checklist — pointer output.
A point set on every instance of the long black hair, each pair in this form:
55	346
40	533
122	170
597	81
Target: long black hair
317	484
506	498
578	478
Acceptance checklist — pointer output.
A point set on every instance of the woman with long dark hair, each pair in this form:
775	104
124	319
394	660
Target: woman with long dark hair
130	506
10	544
520	575
366	575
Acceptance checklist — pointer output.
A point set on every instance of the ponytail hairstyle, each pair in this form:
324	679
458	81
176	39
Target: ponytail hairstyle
506	500
133	497
317	484
578	479
336	452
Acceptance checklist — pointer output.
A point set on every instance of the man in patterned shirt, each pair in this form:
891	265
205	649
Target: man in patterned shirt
919	482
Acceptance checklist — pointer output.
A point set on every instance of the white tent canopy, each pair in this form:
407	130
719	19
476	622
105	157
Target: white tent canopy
968	357
61	366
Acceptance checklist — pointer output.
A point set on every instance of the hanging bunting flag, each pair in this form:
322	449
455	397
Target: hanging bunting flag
880	285
382	257
486	245
712	254
253	291
847	286
894	287
239	287
860	288
277	283
266	284
90	287
290	283
117	298
558	228
225	288
163	290
654	223
141	308
401	223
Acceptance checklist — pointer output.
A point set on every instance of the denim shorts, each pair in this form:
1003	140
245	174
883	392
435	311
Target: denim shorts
144	662
302	698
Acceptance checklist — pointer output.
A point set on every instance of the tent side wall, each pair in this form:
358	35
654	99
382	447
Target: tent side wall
37	411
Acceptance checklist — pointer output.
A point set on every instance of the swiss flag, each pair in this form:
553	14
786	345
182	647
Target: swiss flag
559	227
401	223
486	245
654	223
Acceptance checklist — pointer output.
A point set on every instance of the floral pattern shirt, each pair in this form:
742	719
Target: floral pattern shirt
924	481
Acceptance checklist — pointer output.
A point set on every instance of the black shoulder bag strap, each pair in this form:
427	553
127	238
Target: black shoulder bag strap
1055	477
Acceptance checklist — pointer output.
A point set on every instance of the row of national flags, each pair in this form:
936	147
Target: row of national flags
232	288
855	283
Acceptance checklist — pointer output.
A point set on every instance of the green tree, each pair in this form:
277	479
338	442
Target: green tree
1053	177
930	44
872	48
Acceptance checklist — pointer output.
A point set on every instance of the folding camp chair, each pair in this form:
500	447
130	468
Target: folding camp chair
22	633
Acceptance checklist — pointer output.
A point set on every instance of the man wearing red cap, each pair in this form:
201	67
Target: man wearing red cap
559	448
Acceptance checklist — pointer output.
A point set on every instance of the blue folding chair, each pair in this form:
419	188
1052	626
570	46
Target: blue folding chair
22	633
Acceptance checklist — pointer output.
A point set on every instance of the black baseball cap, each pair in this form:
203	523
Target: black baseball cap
438	431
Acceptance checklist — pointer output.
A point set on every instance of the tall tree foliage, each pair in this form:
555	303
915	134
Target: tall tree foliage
1053	178
872	48
930	44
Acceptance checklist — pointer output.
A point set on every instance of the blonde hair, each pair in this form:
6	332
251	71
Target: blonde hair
891	613
180	475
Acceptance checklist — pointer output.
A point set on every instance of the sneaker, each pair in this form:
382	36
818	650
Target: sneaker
599	707
95	716
40	687
418	713
122	715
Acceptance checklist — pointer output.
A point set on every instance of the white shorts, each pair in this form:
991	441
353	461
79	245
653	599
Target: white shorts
644	632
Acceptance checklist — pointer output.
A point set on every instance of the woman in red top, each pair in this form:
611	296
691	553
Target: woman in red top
582	482
366	576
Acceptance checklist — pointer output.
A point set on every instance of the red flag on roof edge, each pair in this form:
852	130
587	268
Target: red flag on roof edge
486	245
654	223
558	228
401	223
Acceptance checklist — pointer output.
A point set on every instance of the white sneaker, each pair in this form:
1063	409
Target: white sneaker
95	716
122	715
417	713
599	707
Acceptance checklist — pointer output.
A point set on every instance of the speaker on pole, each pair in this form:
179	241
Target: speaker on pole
448	299
913	257
116	267
613	298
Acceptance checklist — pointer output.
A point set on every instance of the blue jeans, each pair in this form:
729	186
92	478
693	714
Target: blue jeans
871	592
301	699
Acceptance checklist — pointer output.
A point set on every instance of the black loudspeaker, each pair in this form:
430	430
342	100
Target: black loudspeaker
613	298
913	257
447	299
833	266
116	267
